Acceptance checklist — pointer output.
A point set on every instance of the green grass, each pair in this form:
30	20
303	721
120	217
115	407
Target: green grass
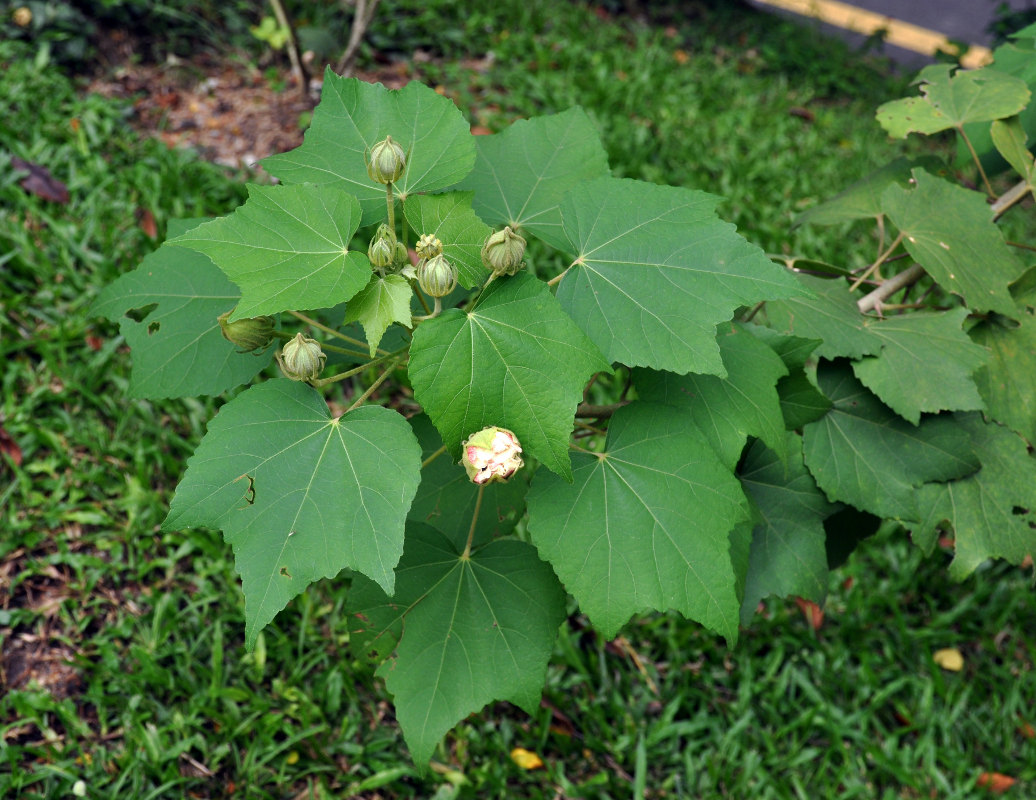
143	688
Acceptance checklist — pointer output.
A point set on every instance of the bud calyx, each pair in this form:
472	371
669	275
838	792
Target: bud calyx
301	359
386	161
502	253
436	276
249	334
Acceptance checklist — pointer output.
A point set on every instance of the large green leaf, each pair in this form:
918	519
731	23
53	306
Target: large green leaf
657	270
863	454
447	498
830	316
992	511
788	554
515	360
862	200
353	116
461	631
727	410
925	365
645	524
180	333
300	495
462	233
801	401
521	174
287	248
950	101
1007	383
960	246
381	302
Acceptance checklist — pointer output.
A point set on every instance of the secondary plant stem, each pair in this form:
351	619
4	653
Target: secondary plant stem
978	162
354	371
591	411
390	202
374	386
330	331
877	263
433	456
474	521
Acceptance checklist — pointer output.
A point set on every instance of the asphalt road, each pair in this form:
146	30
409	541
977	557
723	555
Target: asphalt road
959	20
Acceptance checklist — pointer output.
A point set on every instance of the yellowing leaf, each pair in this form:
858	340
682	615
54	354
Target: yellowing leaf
949	658
526	759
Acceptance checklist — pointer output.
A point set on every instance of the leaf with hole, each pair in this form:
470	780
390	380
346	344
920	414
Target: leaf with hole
299	494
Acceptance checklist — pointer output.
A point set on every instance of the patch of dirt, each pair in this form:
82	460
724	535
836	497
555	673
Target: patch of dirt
231	114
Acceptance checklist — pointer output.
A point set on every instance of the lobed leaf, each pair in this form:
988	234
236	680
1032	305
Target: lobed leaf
645	524
991	511
863	454
287	248
522	174
460	632
353	116
925	365
515	360
657	270
300	495
960	247
381	302
1007	384
180	334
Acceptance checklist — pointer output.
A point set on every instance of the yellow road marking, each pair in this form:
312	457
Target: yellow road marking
902	34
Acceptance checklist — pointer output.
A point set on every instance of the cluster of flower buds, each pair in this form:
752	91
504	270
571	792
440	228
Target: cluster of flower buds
301	359
254	333
386	161
491	456
428	246
503	251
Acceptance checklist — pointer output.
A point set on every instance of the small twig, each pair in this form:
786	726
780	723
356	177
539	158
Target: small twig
1010	197
293	49
977	160
361	22
591	411
872	300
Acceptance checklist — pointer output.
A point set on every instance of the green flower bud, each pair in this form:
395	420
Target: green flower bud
301	359
382	249
436	276
250	334
502	253
428	246
386	161
491	456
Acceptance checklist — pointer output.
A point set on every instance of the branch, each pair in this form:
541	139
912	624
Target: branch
599	412
293	48
361	21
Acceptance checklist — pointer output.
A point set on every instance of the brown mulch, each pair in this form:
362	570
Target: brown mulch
232	114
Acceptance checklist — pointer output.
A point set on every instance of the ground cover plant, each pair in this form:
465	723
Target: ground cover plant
658	745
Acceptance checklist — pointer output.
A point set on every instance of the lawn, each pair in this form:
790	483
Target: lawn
122	662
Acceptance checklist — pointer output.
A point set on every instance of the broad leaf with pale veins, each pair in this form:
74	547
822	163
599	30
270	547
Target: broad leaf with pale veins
960	246
727	410
951	100
462	233
657	271
1007	383
515	360
446	498
521	174
300	495
645	525
788	554
460	632
180	333
353	116
830	316
925	365
863	454
287	248
381	302
992	511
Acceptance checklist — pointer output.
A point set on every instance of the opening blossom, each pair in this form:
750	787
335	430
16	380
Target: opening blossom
492	455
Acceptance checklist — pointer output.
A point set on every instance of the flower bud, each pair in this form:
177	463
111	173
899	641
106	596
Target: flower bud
382	249
502	253
250	334
301	359
402	257
428	246
386	161
491	456
436	276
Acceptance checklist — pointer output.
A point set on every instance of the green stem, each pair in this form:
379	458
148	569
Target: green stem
374	386
326	347
390	203
329	331
977	160
420	296
591	411
877	263
354	371
474	521
433	456
436	311
582	449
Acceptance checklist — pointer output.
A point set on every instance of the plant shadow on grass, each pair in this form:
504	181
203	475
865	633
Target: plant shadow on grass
122	646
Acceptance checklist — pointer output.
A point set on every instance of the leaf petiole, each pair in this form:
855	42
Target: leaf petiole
374	386
474	522
330	331
350	372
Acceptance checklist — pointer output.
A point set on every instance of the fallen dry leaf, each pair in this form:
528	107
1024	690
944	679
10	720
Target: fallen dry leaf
995	782
949	658
10	448
40	182
813	613
526	759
